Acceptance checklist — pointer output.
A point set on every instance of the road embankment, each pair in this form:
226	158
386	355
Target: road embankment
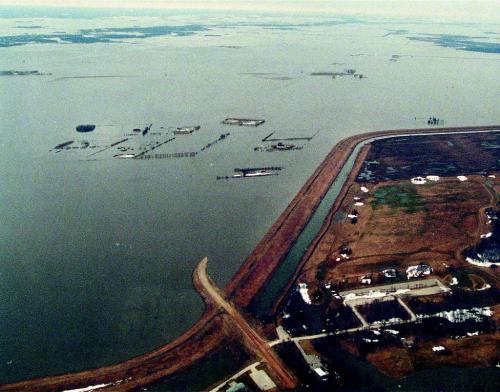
274	246
206	333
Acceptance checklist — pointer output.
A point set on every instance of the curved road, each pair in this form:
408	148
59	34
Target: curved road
253	340
205	334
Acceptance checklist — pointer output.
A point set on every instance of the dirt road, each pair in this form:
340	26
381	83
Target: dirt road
204	336
253	341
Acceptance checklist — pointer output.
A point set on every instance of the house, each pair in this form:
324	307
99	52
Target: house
390	273
416	271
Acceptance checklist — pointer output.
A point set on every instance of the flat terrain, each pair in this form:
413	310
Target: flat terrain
401	224
442	155
210	330
469	351
386	222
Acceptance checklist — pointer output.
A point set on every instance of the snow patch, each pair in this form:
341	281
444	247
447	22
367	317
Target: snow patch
304	293
91	388
461	315
370	340
481	263
394	320
371	294
374	294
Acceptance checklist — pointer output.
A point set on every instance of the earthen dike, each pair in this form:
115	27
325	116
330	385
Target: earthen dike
205	335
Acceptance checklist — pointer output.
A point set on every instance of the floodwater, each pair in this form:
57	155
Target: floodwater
96	253
265	300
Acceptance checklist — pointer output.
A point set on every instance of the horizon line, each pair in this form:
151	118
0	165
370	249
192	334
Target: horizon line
434	11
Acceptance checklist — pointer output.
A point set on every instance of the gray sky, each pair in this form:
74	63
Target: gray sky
466	10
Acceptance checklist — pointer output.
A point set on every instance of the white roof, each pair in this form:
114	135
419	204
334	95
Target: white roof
320	372
262	380
418	180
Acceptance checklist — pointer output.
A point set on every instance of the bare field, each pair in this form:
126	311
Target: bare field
400	224
470	351
389	223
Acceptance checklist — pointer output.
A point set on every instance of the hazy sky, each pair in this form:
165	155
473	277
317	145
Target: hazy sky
467	10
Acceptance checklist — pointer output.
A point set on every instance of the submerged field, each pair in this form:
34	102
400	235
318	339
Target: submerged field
442	155
391	230
97	252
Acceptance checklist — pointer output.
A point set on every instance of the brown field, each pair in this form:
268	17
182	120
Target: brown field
401	224
206	334
471	351
429	223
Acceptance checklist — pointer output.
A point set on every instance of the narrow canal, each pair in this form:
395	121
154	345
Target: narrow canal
264	301
194	377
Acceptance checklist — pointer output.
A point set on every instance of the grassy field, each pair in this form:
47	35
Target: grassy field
404	197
